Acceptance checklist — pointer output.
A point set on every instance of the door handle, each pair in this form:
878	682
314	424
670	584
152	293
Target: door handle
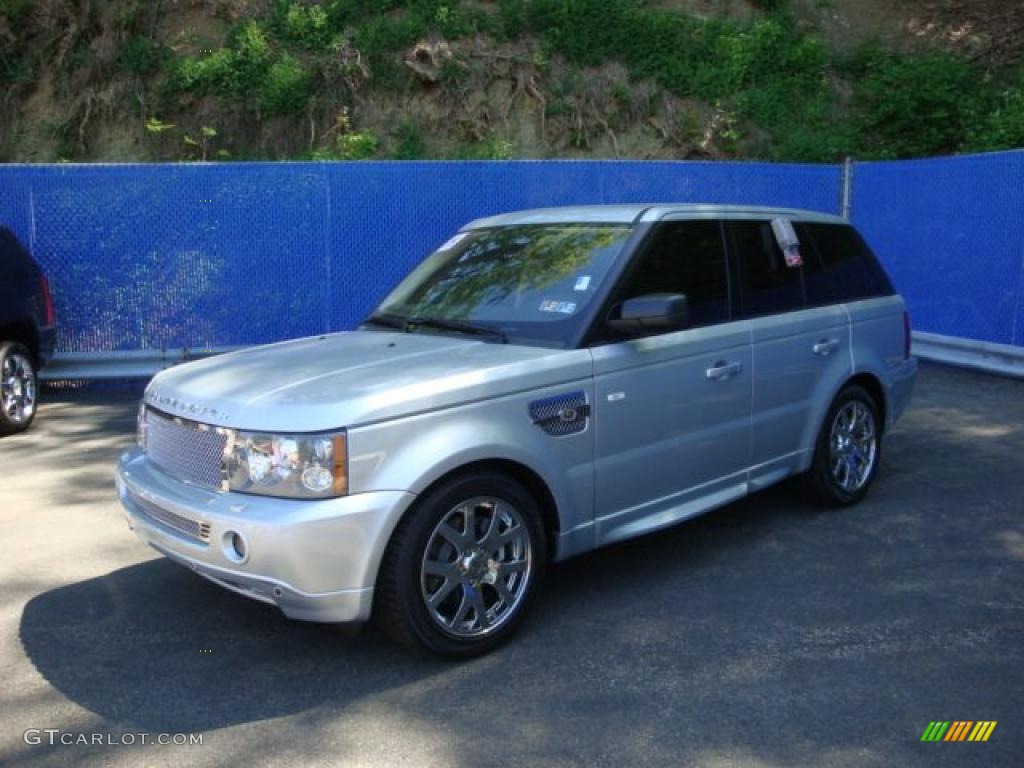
826	347
722	370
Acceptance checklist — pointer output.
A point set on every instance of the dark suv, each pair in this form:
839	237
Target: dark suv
28	332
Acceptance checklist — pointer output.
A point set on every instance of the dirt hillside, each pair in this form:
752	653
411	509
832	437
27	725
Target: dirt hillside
126	80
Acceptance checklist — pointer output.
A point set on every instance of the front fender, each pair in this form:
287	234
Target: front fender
413	453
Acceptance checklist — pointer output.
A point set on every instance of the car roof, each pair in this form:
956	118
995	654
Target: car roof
630	214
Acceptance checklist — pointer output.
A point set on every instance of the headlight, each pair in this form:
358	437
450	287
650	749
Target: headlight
291	466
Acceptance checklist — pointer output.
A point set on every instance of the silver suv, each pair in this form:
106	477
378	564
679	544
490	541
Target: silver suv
545	383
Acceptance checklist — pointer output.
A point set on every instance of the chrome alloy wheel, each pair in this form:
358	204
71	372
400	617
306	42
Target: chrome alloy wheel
476	567
853	446
18	388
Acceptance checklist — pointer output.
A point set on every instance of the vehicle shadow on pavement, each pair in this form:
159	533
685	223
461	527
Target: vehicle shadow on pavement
159	647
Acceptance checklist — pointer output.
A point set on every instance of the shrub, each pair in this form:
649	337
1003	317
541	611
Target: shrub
1003	126
357	146
307	25
914	105
490	148
216	72
384	34
287	87
410	144
237	69
251	57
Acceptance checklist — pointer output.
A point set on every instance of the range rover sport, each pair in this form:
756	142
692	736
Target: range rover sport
545	383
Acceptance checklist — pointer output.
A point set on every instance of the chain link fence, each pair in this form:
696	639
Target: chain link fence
951	233
149	257
162	256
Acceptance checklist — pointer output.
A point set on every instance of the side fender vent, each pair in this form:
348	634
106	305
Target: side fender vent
561	415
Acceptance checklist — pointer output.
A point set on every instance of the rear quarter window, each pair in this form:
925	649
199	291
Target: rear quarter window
839	265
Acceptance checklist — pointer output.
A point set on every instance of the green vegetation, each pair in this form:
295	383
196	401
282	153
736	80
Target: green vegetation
776	90
776	78
773	80
410	144
249	69
306	25
489	148
1002	127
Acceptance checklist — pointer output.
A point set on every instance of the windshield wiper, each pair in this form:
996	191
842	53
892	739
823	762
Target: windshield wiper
412	323
388	321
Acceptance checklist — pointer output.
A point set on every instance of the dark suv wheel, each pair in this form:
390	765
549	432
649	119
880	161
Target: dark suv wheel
461	569
17	388
849	448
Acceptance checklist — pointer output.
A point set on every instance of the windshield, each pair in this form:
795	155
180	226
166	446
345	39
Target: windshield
529	283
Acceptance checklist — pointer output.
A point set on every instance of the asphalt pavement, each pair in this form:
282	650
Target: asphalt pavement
768	633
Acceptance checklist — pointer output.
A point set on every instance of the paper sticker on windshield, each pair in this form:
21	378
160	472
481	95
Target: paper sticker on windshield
454	241
582	283
561	307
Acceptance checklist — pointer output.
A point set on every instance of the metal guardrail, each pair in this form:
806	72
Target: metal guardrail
133	364
1002	359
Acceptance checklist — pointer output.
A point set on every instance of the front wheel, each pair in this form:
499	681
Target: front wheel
17	388
463	566
849	448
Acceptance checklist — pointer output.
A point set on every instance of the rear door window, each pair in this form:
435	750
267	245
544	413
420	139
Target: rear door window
840	266
767	284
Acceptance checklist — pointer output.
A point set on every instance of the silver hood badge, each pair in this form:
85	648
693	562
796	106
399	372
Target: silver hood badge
176	407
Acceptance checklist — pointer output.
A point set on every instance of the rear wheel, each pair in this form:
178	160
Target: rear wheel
17	388
849	448
463	566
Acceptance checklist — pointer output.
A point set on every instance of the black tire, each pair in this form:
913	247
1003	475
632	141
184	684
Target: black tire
823	480
15	419
400	605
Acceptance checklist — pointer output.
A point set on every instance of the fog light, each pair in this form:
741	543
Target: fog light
235	547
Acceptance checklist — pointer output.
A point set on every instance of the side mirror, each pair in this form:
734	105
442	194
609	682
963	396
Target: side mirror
656	311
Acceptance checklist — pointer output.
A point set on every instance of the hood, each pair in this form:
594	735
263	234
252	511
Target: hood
352	379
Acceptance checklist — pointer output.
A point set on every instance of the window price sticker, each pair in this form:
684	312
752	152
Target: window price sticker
786	237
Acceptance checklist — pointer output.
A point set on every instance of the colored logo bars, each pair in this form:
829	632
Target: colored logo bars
958	730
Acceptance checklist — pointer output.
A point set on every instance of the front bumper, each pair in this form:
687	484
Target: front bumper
315	560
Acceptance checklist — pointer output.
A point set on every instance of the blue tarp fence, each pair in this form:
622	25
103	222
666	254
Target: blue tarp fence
196	255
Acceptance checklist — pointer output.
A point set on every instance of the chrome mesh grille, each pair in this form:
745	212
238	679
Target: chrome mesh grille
191	528
186	450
